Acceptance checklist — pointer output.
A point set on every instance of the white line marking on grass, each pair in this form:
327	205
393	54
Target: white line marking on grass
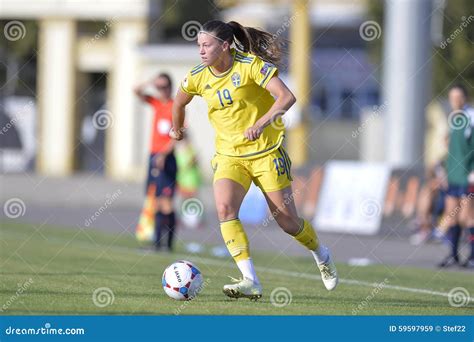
342	281
276	271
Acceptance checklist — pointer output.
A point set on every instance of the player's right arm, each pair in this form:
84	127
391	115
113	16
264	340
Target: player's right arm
179	113
187	90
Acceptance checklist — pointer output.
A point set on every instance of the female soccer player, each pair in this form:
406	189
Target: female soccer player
238	85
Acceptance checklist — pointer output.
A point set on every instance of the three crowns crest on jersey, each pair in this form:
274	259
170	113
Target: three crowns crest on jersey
235	79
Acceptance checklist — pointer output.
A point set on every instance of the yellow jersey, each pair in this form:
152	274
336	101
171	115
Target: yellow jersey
236	99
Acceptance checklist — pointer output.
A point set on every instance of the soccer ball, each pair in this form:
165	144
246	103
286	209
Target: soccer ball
182	280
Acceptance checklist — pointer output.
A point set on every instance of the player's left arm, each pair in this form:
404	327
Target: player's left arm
284	99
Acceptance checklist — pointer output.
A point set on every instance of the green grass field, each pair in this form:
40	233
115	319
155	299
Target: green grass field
53	270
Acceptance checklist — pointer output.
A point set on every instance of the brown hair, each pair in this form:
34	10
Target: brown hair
248	39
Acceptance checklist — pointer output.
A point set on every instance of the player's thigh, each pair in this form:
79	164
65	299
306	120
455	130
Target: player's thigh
426	205
282	207
272	174
231	182
451	210
228	195
466	214
425	200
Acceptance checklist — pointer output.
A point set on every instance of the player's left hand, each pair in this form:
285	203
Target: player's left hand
253	133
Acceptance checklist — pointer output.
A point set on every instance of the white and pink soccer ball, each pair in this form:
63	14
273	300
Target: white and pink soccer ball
182	280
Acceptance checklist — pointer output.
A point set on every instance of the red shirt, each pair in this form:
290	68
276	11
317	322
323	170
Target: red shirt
162	122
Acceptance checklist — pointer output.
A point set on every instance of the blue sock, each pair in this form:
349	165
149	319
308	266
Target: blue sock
453	235
160	221
471	242
170	223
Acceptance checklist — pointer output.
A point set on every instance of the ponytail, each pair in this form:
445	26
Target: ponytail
248	39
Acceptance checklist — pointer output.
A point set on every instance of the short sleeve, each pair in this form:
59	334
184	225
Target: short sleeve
188	85
262	72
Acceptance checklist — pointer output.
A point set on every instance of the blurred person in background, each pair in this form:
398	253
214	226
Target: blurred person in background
430	205
188	178
459	203
162	167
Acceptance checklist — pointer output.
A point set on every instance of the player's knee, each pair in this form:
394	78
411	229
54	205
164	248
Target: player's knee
225	211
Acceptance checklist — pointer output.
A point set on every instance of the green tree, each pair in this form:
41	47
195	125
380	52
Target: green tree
453	61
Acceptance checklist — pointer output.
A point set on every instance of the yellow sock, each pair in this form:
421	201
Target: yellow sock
307	236
235	239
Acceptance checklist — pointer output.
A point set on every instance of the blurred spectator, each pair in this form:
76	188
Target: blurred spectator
162	162
459	206
189	178
430	204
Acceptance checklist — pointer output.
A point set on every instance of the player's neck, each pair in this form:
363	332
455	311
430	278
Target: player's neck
223	65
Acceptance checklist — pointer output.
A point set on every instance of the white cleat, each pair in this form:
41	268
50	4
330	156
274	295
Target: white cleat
245	288
329	274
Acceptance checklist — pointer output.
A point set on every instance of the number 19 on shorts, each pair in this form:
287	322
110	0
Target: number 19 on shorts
280	166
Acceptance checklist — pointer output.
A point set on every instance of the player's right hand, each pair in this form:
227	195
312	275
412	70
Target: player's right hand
176	134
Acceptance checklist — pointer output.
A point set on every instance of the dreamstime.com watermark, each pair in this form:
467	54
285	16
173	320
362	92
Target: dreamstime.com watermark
110	199
46	330
281	297
186	303
102	297
370	208
282	29
14	208
103	31
21	289
8	125
102	119
13	120
458	297
464	24
190	30
14	30
377	110
275	213
370	30
453	213
365	303
192	207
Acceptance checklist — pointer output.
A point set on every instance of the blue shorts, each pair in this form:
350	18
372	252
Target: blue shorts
438	205
165	180
459	191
